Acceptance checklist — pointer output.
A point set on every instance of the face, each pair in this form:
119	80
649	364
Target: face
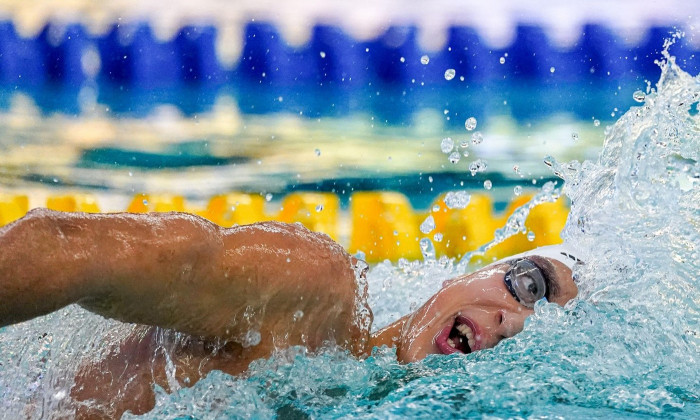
476	311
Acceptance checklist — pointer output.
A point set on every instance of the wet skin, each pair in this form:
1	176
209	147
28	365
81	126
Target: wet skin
151	269
479	300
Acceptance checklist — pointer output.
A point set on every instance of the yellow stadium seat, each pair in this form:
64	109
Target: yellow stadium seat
316	211
464	229
235	209
144	203
12	207
545	221
73	202
383	226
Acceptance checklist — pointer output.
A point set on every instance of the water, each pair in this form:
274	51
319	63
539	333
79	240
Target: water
627	347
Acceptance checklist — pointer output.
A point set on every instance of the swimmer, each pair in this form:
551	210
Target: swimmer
238	294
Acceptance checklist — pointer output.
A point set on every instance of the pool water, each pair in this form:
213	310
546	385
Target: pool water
627	347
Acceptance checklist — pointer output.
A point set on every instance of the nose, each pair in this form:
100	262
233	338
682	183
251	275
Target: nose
510	322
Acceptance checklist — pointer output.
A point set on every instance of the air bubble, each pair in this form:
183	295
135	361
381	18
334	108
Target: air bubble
470	123
502	60
436	208
425	60
268	197
516	169
449	74
437	237
446	145
322	54
488	184
464	144
574	136
552	69
454	157
517	190
639	96
319	208
477	138
318	152
297	315
428	225
531	236
596	123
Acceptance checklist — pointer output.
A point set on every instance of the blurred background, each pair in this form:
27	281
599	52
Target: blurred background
291	108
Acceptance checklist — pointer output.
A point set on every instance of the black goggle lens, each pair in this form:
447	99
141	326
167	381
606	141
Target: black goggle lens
525	282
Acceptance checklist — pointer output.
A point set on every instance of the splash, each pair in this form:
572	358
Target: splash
627	347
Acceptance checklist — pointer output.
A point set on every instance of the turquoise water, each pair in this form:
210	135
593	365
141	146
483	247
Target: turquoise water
627	347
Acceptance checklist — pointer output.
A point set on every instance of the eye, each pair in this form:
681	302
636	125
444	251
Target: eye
525	282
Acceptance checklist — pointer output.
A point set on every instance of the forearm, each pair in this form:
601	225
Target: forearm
119	265
39	273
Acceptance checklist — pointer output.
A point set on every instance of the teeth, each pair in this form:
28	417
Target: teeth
468	333
451	343
465	330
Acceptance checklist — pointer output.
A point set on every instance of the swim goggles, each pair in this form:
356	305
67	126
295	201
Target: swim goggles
525	282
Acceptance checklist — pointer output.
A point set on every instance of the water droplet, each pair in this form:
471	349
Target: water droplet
454	157
322	54
446	145
596	123
517	190
428	225
425	60
449	74
318	152
251	338
470	123
477	166
457	199
502	60
574	136
477	138
319	208
427	249
531	236
437	237
268	197
488	184
639	96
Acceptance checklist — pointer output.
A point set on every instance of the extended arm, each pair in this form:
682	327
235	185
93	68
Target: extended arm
179	271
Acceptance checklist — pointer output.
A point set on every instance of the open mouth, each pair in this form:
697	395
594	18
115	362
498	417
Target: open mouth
458	337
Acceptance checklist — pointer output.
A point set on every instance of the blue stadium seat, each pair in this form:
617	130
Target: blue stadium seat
132	56
63	48
196	51
21	59
340	60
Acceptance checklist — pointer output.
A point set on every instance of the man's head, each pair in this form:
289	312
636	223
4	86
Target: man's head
477	310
